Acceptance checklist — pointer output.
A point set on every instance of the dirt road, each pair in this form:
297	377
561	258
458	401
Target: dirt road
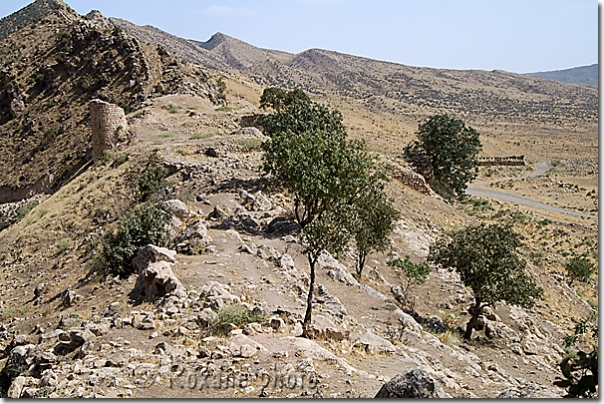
478	189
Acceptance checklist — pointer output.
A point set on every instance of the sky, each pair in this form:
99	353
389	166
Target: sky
520	36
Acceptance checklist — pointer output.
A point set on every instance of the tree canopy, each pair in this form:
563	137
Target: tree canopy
486	259
452	149
277	98
304	116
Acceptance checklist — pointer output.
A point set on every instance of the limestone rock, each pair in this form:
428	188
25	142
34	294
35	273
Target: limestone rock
16	387
416	383
178	208
373	343
192	238
155	276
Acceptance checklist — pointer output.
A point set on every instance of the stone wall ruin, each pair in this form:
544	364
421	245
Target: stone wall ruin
109	127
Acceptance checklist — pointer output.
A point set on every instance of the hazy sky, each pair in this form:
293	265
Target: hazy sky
519	36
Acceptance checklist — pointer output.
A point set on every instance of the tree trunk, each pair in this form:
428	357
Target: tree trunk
361	263
473	320
308	316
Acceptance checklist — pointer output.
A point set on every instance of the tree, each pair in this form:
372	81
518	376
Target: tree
485	258
410	275
303	116
277	98
580	269
375	217
452	149
324	172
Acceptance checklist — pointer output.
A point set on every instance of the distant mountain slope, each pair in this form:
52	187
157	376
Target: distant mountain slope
385	86
578	75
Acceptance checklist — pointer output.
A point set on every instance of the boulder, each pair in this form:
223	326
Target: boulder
416	383
373	343
16	387
178	208
337	271
155	276
192	238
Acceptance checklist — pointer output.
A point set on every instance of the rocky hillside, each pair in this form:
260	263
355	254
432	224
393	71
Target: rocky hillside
44	120
82	335
583	75
217	311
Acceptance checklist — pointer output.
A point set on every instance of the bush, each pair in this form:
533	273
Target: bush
24	210
152	177
239	315
580	269
143	225
409	275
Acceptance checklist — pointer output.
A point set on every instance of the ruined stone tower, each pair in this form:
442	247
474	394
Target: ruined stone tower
109	126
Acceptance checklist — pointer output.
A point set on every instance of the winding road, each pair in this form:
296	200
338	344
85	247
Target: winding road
477	189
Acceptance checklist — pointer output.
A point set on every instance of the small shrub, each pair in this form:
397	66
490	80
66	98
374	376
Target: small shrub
24	210
152	177
167	134
544	222
108	155
138	114
120	160
202	135
182	152
409	275
580	269
173	109
239	315
141	226
194	108
224	109
62	245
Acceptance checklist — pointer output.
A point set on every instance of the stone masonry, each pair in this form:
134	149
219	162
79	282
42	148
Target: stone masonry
109	126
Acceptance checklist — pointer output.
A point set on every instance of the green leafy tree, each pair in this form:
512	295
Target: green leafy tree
452	149
409	275
580	269
277	98
324	172
375	217
302	116
580	367
485	258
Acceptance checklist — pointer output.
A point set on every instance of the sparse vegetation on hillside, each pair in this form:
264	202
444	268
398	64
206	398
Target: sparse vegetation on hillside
579	269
